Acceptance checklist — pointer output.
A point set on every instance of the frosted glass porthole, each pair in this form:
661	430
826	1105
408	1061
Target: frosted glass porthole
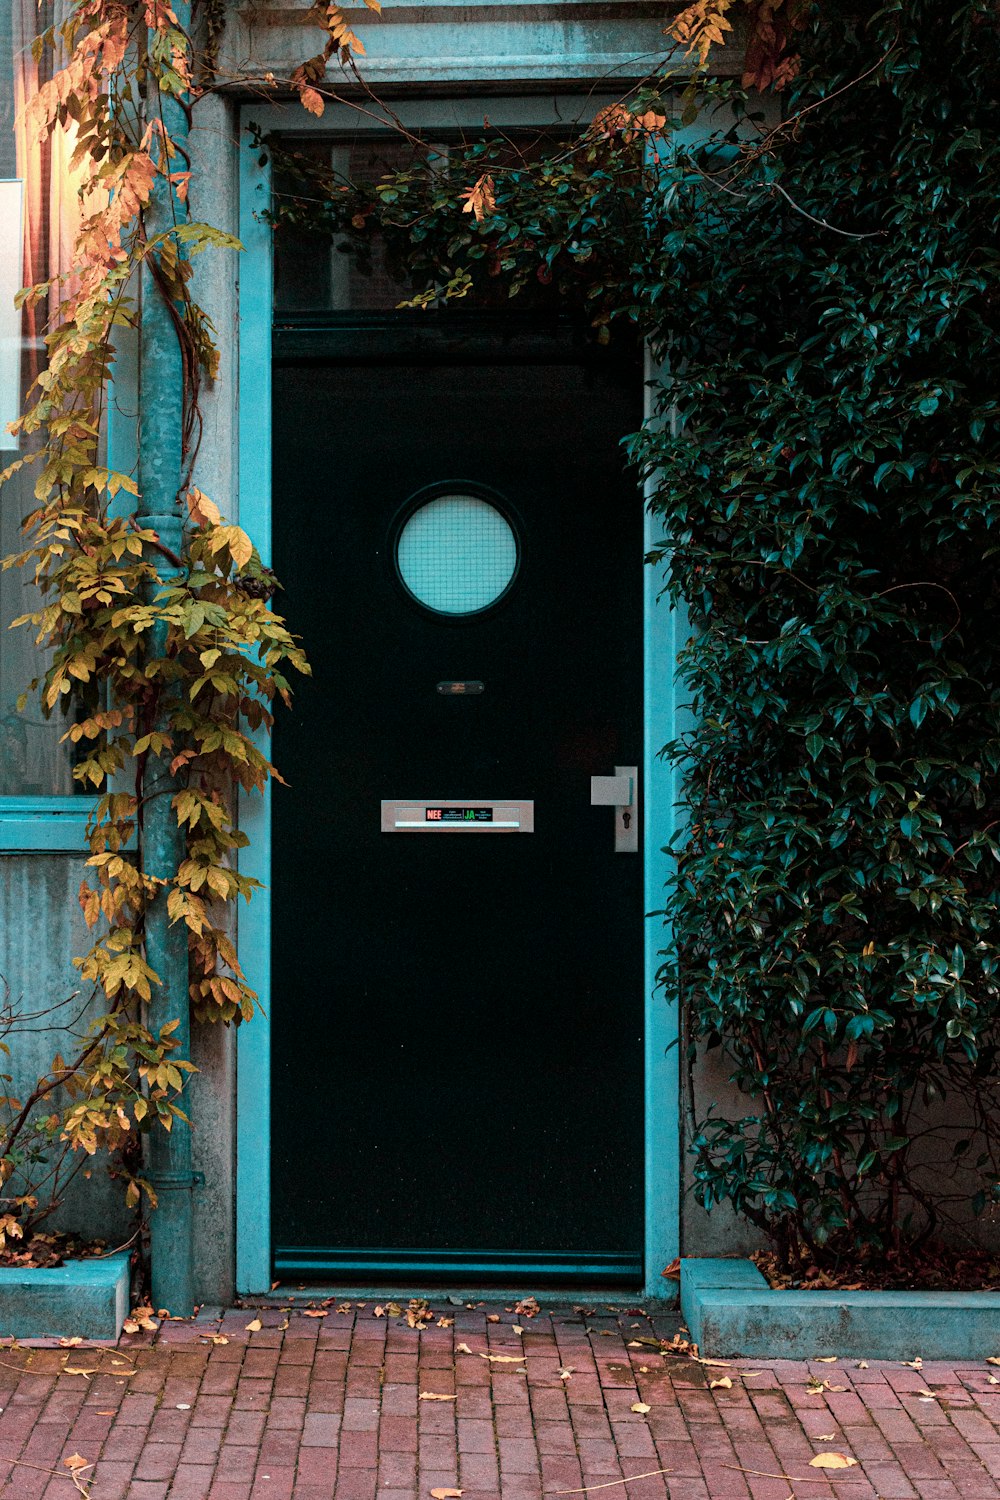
457	554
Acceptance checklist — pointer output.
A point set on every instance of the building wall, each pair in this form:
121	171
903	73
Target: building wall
41	928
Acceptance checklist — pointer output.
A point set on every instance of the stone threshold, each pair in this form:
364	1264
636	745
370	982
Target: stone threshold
81	1298
730	1309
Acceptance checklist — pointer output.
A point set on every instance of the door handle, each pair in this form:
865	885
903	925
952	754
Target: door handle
620	792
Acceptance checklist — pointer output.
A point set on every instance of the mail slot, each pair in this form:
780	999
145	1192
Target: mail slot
455	815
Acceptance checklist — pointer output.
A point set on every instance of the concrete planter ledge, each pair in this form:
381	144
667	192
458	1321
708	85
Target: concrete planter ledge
88	1298
730	1309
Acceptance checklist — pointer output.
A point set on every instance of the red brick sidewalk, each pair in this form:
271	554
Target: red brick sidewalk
329	1408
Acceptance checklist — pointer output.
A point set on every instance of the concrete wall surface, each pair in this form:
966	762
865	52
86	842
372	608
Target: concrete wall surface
41	929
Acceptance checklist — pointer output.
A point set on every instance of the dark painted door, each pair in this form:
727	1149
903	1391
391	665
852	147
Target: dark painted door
457	1078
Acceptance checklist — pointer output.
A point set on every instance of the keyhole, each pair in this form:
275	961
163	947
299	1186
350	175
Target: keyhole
626	818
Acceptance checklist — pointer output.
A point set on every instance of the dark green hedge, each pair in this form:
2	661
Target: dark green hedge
826	466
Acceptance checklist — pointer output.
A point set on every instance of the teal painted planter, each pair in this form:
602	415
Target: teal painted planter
729	1309
85	1298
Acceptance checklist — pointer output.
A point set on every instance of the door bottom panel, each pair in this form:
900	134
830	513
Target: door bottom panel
548	1267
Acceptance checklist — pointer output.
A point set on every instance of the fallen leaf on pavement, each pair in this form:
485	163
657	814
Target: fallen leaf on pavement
516	1327
832	1461
527	1307
343	1307
640	1407
714	1362
75	1370
442	1494
913	1364
862	1364
993	1359
70	1344
75	1461
254	1325
826	1359
462	1349
379	1312
435	1396
492	1317
504	1359
723	1383
565	1372
825	1437
750	1374
315	1312
673	1271
214	1338
446	1322
183	1406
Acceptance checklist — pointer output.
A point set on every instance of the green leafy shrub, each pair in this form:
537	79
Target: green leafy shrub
825	461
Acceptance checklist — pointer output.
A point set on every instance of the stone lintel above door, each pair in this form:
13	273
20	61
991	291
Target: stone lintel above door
468	43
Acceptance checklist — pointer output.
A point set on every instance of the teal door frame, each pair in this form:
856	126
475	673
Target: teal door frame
663	635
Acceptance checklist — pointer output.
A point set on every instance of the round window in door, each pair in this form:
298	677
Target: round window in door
456	551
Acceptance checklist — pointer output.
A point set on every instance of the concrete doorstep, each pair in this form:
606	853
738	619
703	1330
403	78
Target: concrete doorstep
730	1309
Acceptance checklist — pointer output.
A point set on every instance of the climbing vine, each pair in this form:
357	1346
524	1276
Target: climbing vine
824	463
821	286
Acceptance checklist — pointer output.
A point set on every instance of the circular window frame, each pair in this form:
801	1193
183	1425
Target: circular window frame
438	491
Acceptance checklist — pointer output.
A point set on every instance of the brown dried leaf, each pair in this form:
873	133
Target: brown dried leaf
723	1383
503	1359
993	1359
315	1312
640	1407
492	1317
446	1322
70	1344
565	1372
443	1494
462	1349
254	1325
527	1307
826	1359
434	1396
76	1461
832	1461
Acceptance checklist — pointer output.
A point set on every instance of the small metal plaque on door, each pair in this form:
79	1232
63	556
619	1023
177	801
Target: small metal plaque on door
447	815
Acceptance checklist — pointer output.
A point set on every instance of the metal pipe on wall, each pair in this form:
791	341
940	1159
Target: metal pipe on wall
161	473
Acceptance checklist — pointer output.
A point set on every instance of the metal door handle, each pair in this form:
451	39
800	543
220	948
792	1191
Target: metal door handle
611	791
620	792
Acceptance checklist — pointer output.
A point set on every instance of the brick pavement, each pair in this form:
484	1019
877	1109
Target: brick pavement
329	1408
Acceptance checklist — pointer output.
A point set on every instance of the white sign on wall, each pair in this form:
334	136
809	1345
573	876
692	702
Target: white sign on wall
10	318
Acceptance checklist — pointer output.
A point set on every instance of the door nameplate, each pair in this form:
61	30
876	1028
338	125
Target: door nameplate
453	815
